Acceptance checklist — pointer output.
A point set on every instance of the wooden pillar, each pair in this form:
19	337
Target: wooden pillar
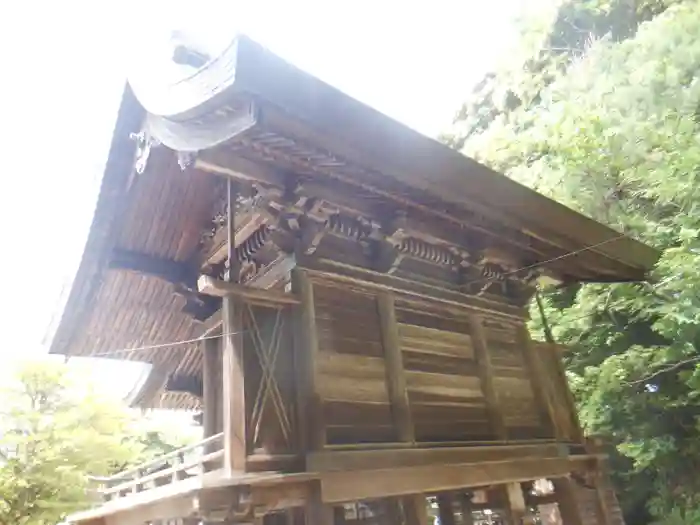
212	383
392	511
446	511
607	506
570	402
517	509
549	514
415	509
233	373
567	500
398	394
317	512
534	369
465	503
485	368
312	428
395	374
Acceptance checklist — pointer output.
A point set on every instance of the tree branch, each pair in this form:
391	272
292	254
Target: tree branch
664	370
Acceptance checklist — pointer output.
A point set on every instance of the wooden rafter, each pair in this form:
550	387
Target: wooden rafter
174	272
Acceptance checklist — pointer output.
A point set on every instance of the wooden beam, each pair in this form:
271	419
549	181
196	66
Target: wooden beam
187	383
553	353
158	511
465	504
567	500
211	286
517	509
275	272
395	374
211	325
446	511
435	220
312	427
211	367
419	292
234	410
537	377
358	485
219	161
415	509
332	461
175	272
485	368
269	276
317	511
246	224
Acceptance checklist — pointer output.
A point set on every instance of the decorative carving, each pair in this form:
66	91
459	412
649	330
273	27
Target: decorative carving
185	159
247	249
144	143
432	253
358	229
501	274
312	233
269	146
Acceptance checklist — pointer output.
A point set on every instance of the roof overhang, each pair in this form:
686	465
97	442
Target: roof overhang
389	155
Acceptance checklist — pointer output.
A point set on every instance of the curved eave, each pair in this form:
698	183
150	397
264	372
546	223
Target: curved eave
113	187
329	119
333	121
354	130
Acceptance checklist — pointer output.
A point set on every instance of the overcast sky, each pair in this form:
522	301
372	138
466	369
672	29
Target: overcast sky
64	65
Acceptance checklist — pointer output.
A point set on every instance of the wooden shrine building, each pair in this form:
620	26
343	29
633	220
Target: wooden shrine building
343	299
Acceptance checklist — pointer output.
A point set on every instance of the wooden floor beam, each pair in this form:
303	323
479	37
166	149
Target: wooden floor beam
359	485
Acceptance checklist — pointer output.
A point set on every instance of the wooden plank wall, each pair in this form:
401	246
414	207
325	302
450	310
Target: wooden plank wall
443	382
444	390
513	383
559	397
351	368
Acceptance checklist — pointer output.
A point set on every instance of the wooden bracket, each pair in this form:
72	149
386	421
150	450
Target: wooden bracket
215	287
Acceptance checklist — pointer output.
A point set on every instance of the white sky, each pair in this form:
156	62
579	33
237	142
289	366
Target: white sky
64	64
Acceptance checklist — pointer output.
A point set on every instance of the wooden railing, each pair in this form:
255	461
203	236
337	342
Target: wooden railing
178	465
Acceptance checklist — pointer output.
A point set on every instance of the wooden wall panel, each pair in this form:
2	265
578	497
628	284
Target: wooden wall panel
559	397
513	383
351	368
270	387
444	390
443	381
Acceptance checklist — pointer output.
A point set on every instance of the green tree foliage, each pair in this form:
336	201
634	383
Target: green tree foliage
617	137
557	32
55	430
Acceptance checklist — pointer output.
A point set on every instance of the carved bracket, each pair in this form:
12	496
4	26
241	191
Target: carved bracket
144	143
